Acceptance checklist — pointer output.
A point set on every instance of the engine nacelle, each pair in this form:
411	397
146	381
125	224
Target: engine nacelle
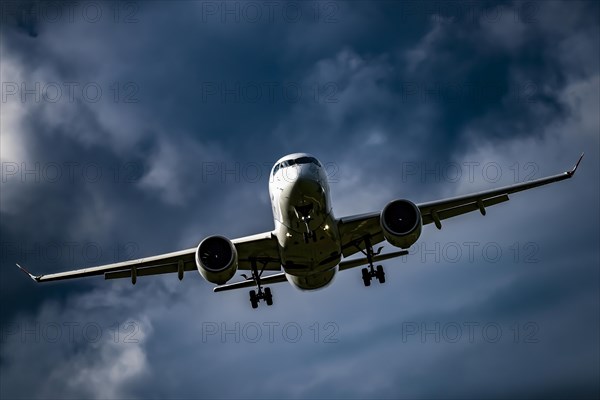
216	259
401	223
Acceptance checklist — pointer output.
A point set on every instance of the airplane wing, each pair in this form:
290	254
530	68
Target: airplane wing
262	247
354	229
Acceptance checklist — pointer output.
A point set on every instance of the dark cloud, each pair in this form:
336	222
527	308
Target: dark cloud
155	124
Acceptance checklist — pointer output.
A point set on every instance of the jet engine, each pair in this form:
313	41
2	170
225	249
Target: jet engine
216	259
401	223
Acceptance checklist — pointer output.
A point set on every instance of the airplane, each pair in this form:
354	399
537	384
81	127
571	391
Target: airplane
308	246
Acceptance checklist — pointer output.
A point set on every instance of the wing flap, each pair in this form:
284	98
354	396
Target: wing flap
262	247
363	261
459	210
267	280
151	270
354	229
186	256
461	200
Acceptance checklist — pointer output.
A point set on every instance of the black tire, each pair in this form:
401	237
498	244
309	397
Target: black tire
380	274
366	277
268	297
253	299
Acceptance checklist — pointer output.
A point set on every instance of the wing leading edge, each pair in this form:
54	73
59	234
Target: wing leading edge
435	211
355	228
262	246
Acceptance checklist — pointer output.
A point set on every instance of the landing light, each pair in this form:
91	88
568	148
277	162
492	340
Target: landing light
326	227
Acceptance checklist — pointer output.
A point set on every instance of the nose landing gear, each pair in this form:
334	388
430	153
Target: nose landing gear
304	213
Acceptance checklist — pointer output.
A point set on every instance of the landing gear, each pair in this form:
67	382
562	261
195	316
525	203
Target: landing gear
268	296
253	299
309	235
256	296
366	277
371	272
304	212
380	274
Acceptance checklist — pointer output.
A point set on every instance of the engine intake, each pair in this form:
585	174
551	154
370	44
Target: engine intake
401	223
216	259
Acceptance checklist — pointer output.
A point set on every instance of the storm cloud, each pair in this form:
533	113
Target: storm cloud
134	128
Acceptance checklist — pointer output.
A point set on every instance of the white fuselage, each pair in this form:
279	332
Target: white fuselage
309	241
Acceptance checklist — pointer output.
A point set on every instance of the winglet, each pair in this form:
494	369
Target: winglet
33	277
572	171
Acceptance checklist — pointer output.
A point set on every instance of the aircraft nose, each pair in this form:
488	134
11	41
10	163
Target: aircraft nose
307	176
304	180
308	185
301	172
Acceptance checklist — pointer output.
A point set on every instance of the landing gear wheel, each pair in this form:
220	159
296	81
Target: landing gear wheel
380	274
371	272
253	299
268	296
366	277
260	294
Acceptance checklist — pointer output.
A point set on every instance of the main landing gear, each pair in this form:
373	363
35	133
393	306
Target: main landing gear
371	272
259	294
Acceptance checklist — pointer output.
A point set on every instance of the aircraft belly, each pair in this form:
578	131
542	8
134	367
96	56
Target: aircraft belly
302	258
312	282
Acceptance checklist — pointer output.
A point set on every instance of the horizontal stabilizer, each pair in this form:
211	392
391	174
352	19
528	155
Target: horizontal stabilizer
363	261
275	278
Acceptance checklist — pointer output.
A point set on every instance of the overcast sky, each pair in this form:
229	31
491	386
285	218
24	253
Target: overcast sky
134	128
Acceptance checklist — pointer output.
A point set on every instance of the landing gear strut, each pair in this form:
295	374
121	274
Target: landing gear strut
260	294
371	272
308	235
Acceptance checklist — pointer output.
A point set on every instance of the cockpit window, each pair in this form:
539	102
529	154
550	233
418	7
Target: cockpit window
308	160
300	160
